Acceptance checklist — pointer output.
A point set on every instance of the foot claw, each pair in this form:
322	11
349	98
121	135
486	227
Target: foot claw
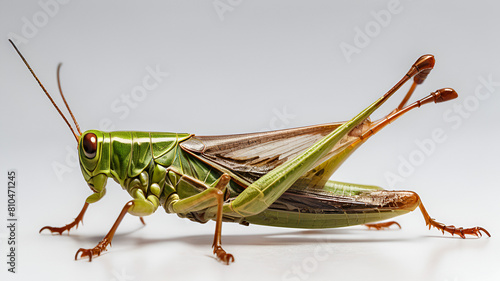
460	231
222	255
383	225
84	253
69	226
479	229
96	251
59	230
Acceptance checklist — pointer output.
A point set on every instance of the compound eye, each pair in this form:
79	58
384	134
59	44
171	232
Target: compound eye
90	145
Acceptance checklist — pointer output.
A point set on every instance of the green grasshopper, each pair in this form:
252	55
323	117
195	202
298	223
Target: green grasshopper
278	178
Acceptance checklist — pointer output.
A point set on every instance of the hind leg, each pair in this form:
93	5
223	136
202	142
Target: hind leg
407	200
460	231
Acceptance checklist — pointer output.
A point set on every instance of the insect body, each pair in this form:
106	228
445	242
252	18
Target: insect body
278	178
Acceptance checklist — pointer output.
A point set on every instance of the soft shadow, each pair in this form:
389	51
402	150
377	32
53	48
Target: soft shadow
288	238
440	252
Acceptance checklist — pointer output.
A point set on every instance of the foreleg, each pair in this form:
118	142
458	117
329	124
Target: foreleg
69	226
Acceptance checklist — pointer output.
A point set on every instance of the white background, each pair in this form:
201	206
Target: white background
238	71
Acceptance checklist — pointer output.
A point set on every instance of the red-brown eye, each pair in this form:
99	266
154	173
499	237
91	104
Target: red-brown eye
90	145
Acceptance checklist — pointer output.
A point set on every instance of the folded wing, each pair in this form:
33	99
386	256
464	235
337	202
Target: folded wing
251	156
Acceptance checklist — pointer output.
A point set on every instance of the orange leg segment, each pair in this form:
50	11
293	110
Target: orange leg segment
68	227
382	225
218	251
408	200
101	246
460	231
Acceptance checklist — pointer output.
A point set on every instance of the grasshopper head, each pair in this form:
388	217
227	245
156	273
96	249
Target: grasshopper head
89	143
91	163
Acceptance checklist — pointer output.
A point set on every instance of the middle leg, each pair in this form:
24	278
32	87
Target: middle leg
210	197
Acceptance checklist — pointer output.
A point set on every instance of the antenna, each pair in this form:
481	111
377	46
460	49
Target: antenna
47	93
64	99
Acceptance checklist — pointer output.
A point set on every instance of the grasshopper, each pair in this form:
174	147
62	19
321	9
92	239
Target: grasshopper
278	178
